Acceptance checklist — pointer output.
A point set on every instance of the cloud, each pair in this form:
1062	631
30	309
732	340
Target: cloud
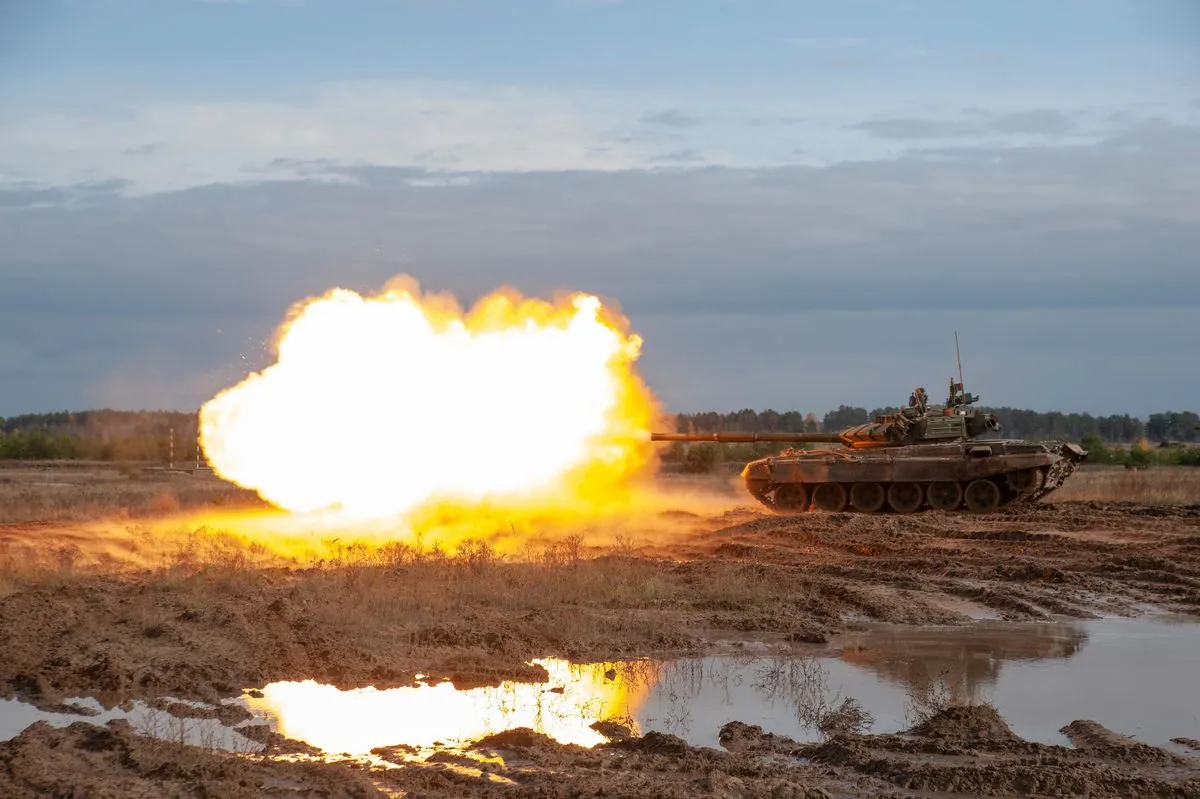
679	157
30	195
1049	259
157	146
445	126
978	123
1044	121
914	128
671	117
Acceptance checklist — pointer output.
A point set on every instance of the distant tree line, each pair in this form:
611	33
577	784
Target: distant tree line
1181	426
110	435
100	435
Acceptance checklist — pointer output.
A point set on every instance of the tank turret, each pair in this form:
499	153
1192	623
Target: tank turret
918	423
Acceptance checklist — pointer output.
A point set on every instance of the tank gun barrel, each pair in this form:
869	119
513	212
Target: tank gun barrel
751	438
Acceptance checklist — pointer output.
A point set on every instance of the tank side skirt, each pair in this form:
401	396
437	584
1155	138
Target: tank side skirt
915	470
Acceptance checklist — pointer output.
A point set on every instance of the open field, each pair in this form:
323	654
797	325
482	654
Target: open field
110	589
1168	485
72	491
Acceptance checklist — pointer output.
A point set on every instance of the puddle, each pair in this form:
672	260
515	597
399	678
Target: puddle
208	733
1135	677
429	717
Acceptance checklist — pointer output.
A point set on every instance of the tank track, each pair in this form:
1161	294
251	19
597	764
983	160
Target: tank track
1015	488
1057	474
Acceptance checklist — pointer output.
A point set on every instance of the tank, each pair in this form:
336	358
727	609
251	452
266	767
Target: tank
926	457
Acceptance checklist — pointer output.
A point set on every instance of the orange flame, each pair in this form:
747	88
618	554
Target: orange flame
391	405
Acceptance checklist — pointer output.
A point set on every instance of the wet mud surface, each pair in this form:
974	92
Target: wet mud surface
970	751
113	762
210	632
959	752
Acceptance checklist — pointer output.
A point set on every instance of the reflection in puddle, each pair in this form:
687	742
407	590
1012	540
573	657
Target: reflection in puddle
355	722
940	665
1040	677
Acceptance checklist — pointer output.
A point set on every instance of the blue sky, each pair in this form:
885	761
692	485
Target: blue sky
174	174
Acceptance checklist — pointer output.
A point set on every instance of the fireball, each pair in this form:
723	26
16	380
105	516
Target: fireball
379	406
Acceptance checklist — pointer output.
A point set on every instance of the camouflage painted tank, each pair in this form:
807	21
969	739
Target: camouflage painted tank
924	457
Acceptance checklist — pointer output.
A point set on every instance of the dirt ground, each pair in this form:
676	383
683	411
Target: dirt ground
215	622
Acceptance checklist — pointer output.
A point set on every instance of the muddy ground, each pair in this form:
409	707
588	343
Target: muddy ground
198	630
202	631
959	752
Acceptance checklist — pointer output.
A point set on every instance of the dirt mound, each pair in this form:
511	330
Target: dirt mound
971	751
1096	739
655	743
274	743
657	765
966	724
516	738
113	762
737	736
612	730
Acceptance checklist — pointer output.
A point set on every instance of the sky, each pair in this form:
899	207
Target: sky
795	203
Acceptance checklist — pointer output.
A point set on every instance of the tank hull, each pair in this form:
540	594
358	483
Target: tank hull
976	476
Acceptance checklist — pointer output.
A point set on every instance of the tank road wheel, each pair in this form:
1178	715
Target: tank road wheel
983	496
944	495
830	497
868	497
905	497
792	498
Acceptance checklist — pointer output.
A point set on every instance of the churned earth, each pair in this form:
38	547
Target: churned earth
218	621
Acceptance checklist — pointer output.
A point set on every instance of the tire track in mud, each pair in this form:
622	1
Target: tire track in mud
1027	563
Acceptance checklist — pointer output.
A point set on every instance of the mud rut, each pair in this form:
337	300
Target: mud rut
1024	562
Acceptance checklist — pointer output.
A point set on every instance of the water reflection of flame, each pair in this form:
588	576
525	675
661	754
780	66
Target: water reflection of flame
356	721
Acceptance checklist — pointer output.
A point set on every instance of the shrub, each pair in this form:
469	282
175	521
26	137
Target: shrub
1097	452
702	458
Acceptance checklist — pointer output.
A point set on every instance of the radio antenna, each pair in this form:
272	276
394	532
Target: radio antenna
958	355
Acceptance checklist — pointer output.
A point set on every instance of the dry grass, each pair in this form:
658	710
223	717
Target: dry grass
558	588
54	493
360	585
1163	485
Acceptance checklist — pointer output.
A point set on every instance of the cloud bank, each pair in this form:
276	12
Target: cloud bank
1068	270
